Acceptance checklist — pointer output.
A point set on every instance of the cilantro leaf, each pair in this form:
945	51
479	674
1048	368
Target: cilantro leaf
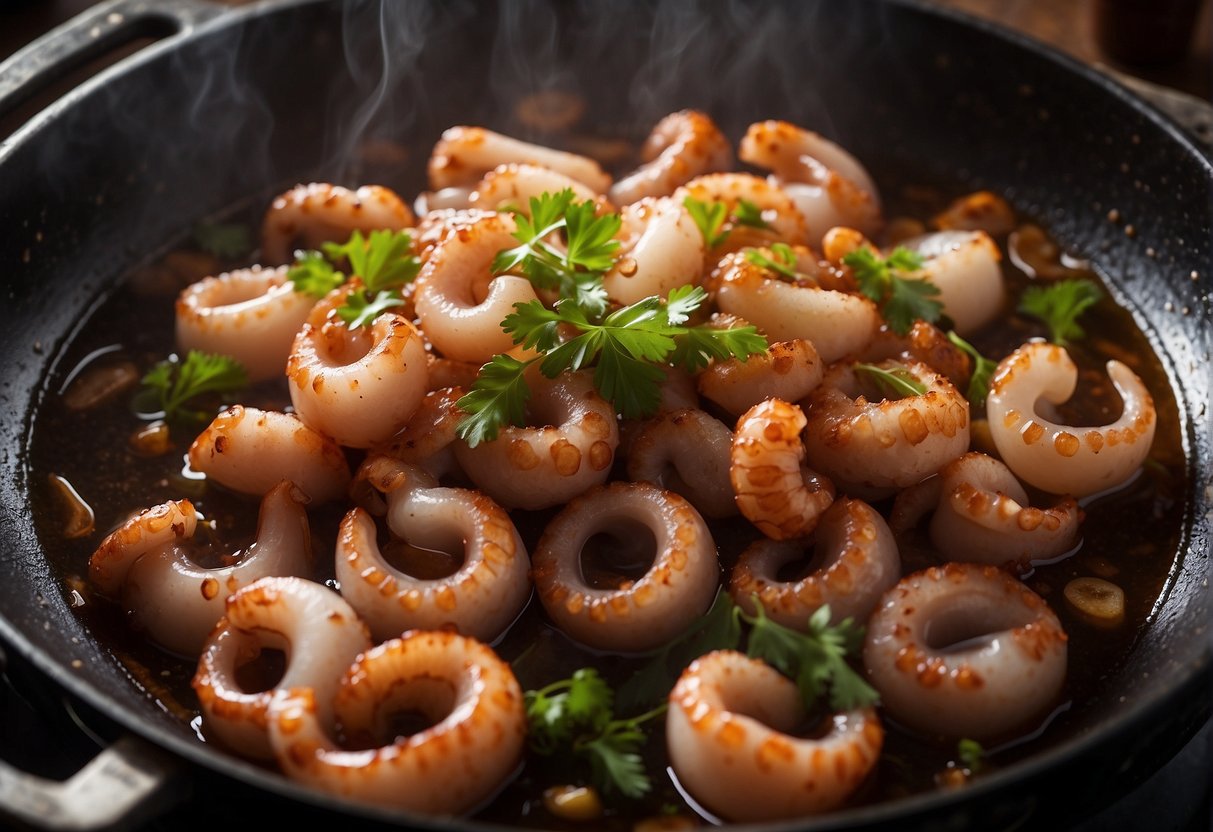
223	239
498	397
174	383
576	717
1060	305
682	301
359	310
897	382
970	754
312	274
747	213
816	660
589	251
983	371
710	217
902	300
783	263
697	347
382	260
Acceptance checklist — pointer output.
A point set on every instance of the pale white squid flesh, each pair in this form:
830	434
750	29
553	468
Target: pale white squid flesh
464	154
309	215
683	145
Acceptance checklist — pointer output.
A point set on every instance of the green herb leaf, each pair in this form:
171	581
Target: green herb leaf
383	260
784	262
747	213
223	239
816	660
899	382
359	310
575	717
498	397
1060	305
983	371
697	347
312	274
970	755
172	384
710	217
589	252
902	300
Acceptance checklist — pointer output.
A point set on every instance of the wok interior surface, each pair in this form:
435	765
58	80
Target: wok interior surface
265	97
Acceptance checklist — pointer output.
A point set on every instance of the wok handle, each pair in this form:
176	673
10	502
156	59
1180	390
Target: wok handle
124	785
92	34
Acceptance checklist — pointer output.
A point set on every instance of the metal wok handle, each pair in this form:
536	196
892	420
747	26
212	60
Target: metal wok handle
91	35
123	785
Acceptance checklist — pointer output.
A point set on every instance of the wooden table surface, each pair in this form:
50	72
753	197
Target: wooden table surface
1065	24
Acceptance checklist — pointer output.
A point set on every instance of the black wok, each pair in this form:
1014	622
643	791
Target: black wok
230	104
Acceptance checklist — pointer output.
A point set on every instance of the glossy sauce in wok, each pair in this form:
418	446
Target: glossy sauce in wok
1129	537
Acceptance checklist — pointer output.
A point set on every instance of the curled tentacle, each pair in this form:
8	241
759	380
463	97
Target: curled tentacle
176	601
788	370
636	614
460	303
778	209
250	451
251	315
682	146
963	265
855	561
729	731
984	517
1060	458
433	228
774	489
428	438
965	651
474	742
316	630
322	213
926	343
515	185
538	467
358	386
464	154
835	323
687	452
661	249
828	185
871	446
479	598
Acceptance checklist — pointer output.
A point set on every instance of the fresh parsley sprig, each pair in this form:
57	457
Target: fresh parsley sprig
983	371
816	660
172	384
1060	305
626	350
576	270
902	299
970	755
897	382
783	261
229	240
576	717
711	217
382	261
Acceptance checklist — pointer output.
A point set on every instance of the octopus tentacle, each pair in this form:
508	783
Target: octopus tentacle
856	561
788	370
480	598
176	601
687	452
251	315
637	614
319	633
683	145
1056	457
516	184
774	489
464	154
475	742
963	265
661	249
251	450
322	213
728	731
869	447
965	651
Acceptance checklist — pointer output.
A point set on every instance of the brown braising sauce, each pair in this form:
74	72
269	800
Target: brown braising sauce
1128	538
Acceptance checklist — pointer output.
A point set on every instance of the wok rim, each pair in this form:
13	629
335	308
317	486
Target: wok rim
1187	681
